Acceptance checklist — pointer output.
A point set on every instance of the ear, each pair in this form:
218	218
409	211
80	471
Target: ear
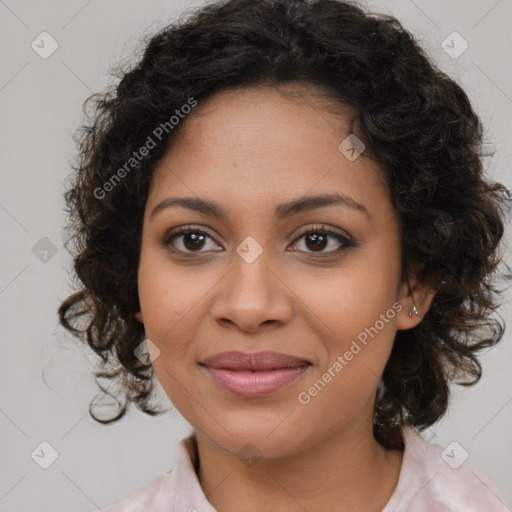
138	316
419	295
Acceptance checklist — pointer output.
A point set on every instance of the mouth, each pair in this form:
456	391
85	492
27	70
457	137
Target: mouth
254	374
256	361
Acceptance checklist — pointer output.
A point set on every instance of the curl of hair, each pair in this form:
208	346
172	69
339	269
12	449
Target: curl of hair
415	121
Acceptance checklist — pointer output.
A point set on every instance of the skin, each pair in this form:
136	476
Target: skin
250	150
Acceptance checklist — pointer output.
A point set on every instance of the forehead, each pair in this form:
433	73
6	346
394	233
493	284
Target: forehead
253	145
283	116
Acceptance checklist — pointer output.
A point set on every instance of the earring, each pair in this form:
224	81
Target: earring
414	311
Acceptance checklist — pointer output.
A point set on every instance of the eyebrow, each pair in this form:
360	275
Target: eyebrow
282	210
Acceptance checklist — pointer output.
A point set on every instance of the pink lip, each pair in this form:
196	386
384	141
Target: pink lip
254	374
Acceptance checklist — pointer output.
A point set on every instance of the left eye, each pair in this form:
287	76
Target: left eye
318	239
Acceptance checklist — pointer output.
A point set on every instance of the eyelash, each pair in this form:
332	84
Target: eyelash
323	230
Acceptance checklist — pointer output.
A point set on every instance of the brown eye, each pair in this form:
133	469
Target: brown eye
193	241
188	240
317	239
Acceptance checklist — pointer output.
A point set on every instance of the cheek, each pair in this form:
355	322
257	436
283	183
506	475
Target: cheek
172	302
344	384
351	300
169	296
355	315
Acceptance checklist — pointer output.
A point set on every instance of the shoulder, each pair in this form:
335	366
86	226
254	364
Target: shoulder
155	496
440	478
169	491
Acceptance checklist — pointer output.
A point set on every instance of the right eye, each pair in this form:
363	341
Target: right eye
190	239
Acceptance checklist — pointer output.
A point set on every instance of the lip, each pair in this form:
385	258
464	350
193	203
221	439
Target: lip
254	374
265	360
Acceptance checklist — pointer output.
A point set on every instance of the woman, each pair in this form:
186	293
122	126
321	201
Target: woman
281	212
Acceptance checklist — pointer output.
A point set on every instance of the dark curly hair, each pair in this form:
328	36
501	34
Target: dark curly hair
415	121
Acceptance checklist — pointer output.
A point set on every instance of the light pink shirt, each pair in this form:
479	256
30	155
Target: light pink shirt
427	483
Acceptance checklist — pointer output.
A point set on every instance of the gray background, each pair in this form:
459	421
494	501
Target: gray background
46	377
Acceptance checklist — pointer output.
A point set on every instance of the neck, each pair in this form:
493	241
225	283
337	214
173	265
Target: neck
348	470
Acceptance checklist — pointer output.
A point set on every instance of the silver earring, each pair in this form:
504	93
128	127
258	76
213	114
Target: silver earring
413	311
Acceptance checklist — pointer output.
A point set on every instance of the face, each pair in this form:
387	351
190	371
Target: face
317	281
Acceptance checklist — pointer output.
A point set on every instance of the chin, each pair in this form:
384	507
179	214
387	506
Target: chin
254	436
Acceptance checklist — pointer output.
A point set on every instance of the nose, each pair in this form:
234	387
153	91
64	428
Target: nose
253	296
